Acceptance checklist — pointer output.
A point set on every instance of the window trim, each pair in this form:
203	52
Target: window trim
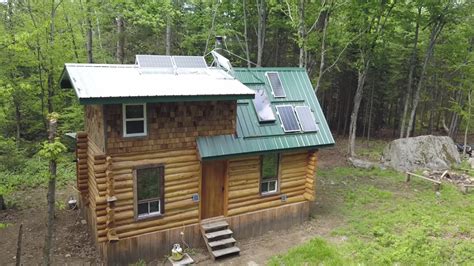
125	120
135	193
276	178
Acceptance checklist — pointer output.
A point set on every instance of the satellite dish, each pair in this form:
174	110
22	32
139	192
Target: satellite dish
222	61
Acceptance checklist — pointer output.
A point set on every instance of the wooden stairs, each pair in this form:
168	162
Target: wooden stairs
218	238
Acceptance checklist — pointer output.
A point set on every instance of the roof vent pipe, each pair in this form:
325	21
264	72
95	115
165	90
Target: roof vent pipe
219	43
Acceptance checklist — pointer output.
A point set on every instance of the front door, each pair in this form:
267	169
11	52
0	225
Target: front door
213	189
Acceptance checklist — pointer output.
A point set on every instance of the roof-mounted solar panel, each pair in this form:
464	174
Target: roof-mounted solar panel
154	61
275	83
263	106
306	118
190	62
288	118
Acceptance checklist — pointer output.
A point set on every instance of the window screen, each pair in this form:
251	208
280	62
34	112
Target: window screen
149	185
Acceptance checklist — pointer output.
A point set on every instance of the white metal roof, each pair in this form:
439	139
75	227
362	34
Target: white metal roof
123	81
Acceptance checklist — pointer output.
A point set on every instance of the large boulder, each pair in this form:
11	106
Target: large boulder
423	152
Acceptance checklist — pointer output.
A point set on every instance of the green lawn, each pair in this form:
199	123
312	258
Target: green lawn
389	222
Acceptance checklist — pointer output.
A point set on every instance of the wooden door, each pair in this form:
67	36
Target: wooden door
213	189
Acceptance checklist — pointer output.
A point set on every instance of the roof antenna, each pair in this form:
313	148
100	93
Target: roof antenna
219	59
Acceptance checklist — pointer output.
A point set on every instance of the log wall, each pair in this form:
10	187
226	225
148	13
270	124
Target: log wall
171	125
94	125
296	181
182	180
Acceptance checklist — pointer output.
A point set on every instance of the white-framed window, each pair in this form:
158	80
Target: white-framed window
149	191
134	120
269	164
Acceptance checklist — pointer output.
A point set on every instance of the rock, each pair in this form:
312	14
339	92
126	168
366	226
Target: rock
67	255
83	222
423	152
359	163
471	162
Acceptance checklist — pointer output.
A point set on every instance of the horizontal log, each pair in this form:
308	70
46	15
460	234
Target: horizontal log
265	205
292	183
169	189
158	228
182	181
164	160
242	193
293	189
309	196
182	192
244	186
155	155
156	222
180	176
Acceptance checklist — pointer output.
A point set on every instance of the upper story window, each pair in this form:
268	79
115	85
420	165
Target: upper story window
269	173
134	120
149	194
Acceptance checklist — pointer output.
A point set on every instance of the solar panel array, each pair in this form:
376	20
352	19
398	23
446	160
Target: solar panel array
168	64
275	83
154	61
306	118
288	118
190	61
263	106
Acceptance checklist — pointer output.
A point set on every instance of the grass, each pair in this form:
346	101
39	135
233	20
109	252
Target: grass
389	222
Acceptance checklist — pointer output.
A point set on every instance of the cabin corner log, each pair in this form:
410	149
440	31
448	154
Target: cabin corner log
81	157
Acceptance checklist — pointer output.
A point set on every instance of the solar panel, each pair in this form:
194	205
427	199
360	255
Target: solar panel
263	106
306	118
190	62
275	82
154	61
288	118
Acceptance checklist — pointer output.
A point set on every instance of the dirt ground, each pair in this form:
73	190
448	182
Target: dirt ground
74	246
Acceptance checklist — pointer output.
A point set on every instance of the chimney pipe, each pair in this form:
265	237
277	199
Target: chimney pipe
218	46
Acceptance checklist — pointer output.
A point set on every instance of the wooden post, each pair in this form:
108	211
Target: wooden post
18	246
408	177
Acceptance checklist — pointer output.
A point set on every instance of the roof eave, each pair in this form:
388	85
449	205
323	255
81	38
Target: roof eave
164	99
252	153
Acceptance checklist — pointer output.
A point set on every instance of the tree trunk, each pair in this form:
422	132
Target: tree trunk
89	46
301	33
261	26
169	21
2	203
247	52
121	39
323	52
355	111
73	38
50	76
468	120
437	28
18	122
50	197
411	72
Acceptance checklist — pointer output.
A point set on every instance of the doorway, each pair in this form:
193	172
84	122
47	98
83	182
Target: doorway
213	189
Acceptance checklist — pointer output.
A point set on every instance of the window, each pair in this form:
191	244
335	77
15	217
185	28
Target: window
269	175
134	120
149	194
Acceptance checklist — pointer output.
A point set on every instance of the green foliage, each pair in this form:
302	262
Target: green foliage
4	225
35	172
317	252
53	150
388	222
11	157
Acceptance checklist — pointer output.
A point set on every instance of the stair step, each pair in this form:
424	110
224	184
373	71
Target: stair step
226	251
218	233
214	225
222	242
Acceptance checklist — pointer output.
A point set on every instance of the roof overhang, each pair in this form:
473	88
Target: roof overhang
113	84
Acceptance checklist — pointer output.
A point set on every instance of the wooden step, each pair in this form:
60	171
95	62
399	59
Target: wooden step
218	233
226	251
214	226
222	242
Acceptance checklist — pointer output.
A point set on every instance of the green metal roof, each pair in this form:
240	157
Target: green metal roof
257	138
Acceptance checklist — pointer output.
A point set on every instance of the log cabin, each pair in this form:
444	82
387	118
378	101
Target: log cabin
176	151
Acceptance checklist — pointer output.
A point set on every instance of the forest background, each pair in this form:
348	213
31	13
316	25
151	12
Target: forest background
383	68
